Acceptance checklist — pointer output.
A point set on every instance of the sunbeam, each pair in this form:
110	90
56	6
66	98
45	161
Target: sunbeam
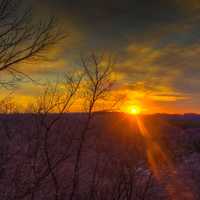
160	163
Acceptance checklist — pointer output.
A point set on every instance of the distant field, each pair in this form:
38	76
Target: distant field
185	123
182	121
119	156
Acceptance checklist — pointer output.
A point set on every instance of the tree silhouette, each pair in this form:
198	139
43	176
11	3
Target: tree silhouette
23	38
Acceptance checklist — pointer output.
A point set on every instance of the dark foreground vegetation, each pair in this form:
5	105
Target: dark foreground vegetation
43	161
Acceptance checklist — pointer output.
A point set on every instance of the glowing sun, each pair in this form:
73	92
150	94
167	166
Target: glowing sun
134	110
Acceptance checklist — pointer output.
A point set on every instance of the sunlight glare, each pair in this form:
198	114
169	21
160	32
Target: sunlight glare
135	110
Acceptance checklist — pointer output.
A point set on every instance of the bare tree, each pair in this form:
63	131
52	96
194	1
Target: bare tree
22	37
31	160
48	113
98	81
8	105
127	180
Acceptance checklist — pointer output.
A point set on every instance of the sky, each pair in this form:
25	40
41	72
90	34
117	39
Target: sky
156	44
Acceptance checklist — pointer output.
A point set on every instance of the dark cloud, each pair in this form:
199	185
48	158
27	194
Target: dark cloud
115	21
112	24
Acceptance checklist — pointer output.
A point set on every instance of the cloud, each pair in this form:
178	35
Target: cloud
167	74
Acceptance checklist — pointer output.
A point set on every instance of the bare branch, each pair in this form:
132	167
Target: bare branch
23	38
